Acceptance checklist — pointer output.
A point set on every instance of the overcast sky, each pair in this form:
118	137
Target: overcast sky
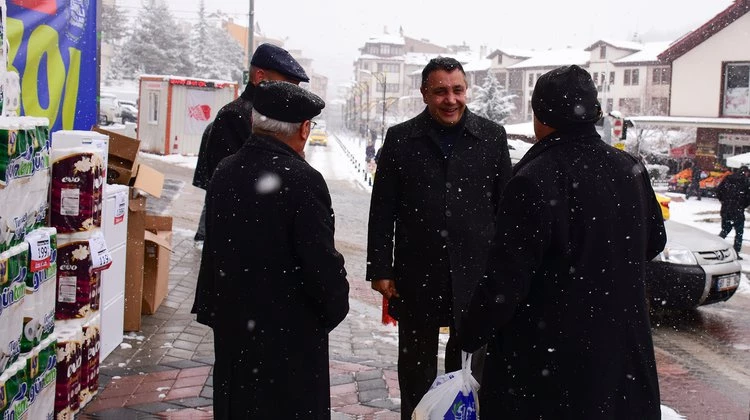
331	31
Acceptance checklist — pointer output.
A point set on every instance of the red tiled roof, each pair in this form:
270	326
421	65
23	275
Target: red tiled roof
709	29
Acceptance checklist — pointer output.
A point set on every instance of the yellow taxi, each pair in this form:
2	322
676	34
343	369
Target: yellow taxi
664	204
318	136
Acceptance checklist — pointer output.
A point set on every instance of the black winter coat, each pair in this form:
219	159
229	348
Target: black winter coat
734	195
271	284
230	130
439	211
563	303
201	177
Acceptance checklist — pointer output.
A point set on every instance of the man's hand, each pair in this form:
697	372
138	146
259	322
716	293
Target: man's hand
386	287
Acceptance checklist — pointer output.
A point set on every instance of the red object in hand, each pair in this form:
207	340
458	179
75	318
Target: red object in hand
387	319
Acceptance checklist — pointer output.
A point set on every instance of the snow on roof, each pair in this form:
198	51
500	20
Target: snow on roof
387	39
649	52
483	64
517	52
623	45
555	58
418	59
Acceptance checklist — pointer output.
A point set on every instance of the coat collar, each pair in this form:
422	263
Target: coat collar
273	145
249	92
558	138
423	124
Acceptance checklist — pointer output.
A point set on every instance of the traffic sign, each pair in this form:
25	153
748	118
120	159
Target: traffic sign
617	128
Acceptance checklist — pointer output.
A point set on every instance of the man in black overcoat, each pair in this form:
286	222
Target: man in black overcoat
432	216
562	304
271	283
232	125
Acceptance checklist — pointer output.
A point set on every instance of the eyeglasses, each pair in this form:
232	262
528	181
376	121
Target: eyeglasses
313	124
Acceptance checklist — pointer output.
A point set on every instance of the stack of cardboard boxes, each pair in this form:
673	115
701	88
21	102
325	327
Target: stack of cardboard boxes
149	236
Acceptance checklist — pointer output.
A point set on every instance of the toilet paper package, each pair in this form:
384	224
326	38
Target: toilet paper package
41	393
12	294
69	353
9	150
77	183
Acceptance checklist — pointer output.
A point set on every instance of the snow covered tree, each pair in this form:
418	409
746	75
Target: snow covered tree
215	54
114	24
491	100
158	45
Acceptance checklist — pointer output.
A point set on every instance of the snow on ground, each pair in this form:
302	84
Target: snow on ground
179	160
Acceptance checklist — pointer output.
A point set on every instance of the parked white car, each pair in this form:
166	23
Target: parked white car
109	108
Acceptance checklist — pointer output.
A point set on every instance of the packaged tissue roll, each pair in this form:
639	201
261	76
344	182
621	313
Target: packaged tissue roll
74	276
77	182
9	150
69	358
12	295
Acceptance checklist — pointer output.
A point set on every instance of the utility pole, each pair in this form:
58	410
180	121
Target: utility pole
250	32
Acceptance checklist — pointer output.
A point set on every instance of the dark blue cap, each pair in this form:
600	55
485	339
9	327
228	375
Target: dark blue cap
564	97
284	101
271	57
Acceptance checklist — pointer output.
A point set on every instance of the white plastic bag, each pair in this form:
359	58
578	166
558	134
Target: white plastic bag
451	396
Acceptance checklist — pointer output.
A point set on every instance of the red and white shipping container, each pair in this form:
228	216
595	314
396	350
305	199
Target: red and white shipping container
173	111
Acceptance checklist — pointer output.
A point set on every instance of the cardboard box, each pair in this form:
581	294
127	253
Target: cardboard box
158	250
123	168
122	157
134	267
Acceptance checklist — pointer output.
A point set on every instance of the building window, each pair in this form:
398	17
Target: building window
611	78
661	76
531	80
631	77
659	106
388	67
389	87
365	66
499	59
630	106
736	99
603	51
610	104
153	107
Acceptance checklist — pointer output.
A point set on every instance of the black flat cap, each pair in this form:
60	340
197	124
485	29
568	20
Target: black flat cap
283	101
271	57
564	97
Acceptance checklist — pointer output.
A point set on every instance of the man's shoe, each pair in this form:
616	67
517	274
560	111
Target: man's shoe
740	258
199	237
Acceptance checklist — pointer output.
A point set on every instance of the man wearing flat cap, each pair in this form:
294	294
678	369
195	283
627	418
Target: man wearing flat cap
231	127
271	283
562	305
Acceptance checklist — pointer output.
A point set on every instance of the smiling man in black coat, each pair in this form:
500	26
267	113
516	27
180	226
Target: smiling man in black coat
432	215
271	283
562	304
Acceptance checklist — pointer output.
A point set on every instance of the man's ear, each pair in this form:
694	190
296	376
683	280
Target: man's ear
257	76
305	129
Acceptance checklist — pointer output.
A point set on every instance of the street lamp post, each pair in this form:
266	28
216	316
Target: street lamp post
382	79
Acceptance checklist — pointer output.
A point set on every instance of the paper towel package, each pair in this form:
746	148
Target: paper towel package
12	294
39	303
90	364
41	393
77	183
69	358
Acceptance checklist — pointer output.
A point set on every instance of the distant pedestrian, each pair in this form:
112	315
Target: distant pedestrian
734	195
434	200
271	283
232	125
562	304
694	188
